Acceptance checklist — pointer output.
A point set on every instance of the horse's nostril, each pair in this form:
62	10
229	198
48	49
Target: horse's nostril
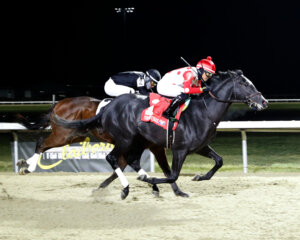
265	103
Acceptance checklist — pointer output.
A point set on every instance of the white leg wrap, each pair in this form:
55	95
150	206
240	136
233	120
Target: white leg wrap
33	162
122	177
142	172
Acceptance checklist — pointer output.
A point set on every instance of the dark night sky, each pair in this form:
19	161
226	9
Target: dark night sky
84	45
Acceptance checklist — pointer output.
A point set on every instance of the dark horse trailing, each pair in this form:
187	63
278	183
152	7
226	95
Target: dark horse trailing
121	120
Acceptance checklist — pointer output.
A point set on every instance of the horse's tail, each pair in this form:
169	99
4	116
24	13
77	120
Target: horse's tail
41	124
85	124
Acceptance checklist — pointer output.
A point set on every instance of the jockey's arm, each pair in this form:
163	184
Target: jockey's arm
188	82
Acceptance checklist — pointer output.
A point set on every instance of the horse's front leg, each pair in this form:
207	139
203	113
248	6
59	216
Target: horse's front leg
135	164
178	159
208	152
112	159
134	161
161	158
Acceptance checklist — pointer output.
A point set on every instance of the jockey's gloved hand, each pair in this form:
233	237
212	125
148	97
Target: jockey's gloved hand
205	89
148	83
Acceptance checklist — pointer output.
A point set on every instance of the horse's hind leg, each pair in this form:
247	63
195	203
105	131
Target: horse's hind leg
112	159
29	165
207	151
161	158
53	140
111	178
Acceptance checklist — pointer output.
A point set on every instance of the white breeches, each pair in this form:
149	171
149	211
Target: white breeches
115	90
168	88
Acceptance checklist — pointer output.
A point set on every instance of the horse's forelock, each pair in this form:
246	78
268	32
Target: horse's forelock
239	72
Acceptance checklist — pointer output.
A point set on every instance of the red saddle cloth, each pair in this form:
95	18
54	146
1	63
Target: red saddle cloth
158	105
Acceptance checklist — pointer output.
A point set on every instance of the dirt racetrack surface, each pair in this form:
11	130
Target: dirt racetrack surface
229	206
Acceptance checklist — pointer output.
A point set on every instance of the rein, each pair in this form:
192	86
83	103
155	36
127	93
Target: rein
247	100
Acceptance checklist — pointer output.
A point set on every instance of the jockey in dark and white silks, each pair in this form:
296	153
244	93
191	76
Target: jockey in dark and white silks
132	82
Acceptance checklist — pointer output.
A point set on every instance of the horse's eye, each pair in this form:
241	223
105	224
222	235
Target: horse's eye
244	84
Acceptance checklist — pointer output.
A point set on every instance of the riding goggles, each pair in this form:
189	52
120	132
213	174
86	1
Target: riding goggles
208	74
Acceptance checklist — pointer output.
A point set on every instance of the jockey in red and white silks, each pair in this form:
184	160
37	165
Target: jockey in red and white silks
181	82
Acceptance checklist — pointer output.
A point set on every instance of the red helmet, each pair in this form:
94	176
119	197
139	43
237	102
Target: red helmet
207	64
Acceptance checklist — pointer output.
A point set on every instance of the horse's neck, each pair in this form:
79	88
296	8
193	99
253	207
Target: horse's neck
217	110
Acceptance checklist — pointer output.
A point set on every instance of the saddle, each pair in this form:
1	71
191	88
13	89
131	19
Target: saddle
158	105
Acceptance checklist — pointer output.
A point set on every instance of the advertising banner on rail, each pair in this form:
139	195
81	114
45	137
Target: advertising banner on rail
86	156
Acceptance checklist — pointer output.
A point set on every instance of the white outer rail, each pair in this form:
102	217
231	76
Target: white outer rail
257	126
228	126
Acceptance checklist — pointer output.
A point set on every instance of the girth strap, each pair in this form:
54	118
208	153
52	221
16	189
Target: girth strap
170	135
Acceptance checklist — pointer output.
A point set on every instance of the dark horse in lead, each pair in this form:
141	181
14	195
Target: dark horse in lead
82	108
196	128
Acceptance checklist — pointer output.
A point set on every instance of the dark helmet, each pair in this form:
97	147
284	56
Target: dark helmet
154	75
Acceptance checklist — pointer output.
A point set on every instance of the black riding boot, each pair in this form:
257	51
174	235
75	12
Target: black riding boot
177	101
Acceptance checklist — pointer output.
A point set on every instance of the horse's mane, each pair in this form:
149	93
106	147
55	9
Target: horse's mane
218	78
222	76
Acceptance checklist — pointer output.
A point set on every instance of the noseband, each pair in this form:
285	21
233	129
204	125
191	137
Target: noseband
247	100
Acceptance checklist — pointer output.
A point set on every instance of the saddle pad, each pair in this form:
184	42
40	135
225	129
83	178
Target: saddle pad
158	105
102	104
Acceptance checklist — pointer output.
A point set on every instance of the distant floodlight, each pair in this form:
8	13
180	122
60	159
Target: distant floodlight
118	10
125	10
129	10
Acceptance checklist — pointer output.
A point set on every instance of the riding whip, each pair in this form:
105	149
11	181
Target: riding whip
194	72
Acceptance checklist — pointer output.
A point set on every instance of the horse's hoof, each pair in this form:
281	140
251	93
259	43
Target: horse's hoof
22	163
124	193
142	177
155	193
181	194
146	179
198	178
23	171
155	190
95	191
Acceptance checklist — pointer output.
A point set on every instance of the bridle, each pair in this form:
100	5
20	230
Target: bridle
248	99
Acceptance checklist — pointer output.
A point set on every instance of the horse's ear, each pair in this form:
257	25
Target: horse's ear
230	73
239	72
222	72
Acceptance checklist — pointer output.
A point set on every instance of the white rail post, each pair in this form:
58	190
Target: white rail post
152	168
244	147
16	154
53	99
